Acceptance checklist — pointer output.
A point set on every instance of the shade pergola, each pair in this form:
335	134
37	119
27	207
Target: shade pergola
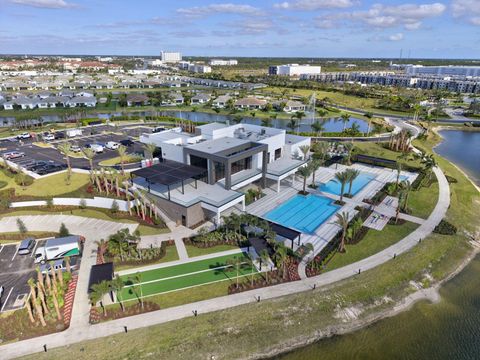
169	173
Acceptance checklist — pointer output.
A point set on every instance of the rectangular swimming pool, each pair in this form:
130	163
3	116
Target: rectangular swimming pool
334	187
303	213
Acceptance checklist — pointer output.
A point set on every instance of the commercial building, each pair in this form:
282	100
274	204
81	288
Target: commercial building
213	165
170	57
220	62
450	70
199	68
294	70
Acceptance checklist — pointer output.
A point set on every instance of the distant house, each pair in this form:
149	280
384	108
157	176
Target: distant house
173	99
26	103
250	103
200	99
137	99
294	106
86	101
8	105
221	101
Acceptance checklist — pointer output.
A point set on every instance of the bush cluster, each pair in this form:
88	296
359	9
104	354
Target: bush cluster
445	228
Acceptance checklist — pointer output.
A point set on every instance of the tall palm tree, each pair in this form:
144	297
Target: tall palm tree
406	187
102	246
236	262
320	149
267	122
117	285
348	147
150	150
265	257
122	154
342	178
90	154
345	118
292	124
98	291
138	281
65	149
429	163
281	258
304	172
399	170
342	220
401	204
305	149
352	175
315	164
318	127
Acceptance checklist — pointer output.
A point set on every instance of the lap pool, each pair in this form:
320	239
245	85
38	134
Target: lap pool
303	213
334	187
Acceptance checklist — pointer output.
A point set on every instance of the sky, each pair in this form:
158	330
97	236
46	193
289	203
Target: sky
268	28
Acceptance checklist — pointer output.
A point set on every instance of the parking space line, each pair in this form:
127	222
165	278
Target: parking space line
16	251
34	249
1	248
6	300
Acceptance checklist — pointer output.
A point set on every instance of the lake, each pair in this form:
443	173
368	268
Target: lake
445	331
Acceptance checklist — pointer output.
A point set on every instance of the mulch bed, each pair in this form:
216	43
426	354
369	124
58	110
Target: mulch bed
96	314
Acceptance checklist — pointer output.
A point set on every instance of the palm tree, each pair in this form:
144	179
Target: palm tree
265	257
429	163
315	164
406	187
352	175
64	149
400	205
345	118
348	147
237	119
102	249
342	220
305	149
292	124
30	311
320	150
281	258
117	285
122	154
304	172
267	122
399	170
98	291
90	154
150	150
318	127
138	280
67	264
236	263
342	178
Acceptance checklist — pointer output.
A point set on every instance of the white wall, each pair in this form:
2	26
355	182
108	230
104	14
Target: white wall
99	202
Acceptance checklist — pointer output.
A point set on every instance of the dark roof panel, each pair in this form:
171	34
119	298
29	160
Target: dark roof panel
99	273
169	172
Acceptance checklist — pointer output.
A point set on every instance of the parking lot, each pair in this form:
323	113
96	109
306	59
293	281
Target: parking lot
15	270
91	135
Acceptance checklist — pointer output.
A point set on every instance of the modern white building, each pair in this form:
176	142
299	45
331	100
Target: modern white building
452	70
171	57
221	62
199	68
294	70
201	175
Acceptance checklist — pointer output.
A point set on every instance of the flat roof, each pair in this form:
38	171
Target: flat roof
99	273
219	145
169	172
212	126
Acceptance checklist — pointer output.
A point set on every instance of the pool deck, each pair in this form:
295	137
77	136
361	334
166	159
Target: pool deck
326	231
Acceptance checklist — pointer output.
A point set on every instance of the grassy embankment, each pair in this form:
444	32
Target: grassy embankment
274	325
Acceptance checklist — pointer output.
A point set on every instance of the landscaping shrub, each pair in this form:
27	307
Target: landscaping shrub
23	180
445	228
3	184
451	180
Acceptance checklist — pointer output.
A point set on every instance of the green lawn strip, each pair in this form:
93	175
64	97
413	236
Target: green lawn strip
186	268
151	230
12	237
170	255
373	242
377	150
89	213
421	202
185	281
197	251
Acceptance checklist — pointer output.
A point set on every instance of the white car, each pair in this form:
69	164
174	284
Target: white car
97	148
13	155
48	137
112	145
75	148
24	135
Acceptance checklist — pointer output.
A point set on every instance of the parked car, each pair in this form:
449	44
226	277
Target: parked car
158	129
24	135
38	164
51	168
59	135
26	246
112	145
75	148
98	148
126	142
48	137
13	155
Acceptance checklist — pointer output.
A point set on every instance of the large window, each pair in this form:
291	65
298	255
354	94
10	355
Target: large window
243	164
198	161
219	171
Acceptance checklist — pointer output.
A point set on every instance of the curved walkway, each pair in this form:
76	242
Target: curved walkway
79	331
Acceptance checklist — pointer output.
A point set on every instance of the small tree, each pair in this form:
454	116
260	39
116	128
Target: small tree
114	208
63	231
82	204
304	172
22	228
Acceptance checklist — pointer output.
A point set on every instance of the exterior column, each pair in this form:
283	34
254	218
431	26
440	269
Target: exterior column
278	185
228	175
243	205
211	171
218	218
264	169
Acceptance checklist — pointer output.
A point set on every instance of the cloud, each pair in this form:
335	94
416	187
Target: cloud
251	27
203	11
314	4
396	37
408	16
45	4
468	9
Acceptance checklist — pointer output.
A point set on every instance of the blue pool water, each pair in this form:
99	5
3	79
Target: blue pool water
303	213
334	187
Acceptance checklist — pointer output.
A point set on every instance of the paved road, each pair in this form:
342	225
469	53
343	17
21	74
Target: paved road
80	331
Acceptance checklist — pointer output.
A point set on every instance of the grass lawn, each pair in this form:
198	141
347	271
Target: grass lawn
377	150
170	255
49	186
180	276
373	242
9	237
196	251
116	160
422	202
151	230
